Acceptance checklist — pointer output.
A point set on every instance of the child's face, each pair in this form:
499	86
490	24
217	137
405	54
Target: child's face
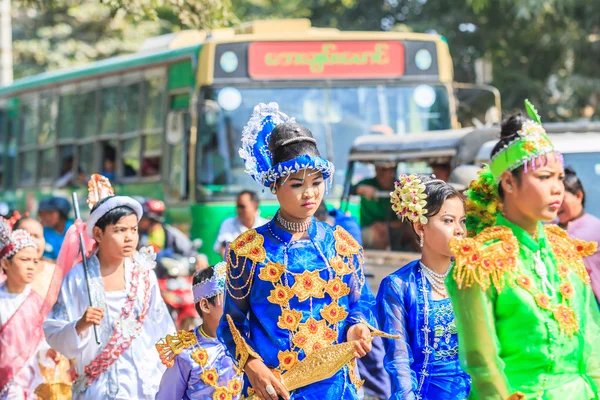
120	239
22	268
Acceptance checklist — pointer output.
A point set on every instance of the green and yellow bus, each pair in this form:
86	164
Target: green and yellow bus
166	122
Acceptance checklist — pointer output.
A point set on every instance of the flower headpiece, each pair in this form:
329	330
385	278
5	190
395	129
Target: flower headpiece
409	198
255	148
99	188
531	149
213	286
12	242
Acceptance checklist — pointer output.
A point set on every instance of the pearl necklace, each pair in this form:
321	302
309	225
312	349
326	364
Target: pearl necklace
437	281
294	226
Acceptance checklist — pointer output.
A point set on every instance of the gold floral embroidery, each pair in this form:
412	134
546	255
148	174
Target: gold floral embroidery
249	245
210	377
543	301
280	295
242	349
173	345
333	313
566	289
339	266
287	359
494	264
345	244
353	376
308	284
222	393
313	335
570	251
336	288
566	318
271	272
289	319
200	356
235	386
524	281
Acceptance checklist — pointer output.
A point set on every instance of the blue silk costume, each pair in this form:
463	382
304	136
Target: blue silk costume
288	299
202	370
423	363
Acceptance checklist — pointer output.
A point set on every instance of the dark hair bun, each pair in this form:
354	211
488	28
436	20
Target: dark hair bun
290	140
509	130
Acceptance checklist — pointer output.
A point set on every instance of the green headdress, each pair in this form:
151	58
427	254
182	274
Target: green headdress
531	149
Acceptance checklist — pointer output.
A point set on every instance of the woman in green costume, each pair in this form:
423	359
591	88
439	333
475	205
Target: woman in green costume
528	323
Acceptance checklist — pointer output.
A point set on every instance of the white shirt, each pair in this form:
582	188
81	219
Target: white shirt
231	228
136	373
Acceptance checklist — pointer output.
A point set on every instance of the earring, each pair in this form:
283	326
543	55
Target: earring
273	190
510	188
422	241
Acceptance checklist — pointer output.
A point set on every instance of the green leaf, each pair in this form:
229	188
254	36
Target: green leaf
532	112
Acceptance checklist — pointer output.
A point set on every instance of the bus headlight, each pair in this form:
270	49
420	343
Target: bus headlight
228	61
423	59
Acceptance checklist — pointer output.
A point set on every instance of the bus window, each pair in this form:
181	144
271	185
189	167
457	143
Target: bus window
151	156
130	157
89	124
85	158
29	120
27	161
154	101
109	107
131	106
47	165
68	110
48	118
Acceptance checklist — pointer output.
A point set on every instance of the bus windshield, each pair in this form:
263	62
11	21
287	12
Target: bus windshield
335	115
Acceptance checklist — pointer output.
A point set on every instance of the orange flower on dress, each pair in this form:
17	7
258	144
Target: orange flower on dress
563	270
333	313
308	284
566	289
200	356
235	386
222	393
289	319
524	281
336	288
287	359
345	244
543	301
210	377
271	272
566	319
339	266
280	295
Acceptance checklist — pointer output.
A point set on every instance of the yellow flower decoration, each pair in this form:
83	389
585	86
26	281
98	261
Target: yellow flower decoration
222	393
289	319
408	199
280	295
287	359
235	386
271	272
200	356
308	284
339	266
334	313
336	288
210	377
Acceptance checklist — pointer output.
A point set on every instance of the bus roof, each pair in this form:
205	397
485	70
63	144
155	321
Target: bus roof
99	68
188	44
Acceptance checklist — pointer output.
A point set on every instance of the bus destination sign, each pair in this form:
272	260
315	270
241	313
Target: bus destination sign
335	59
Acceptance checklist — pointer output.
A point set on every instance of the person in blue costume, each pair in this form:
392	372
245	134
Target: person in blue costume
198	366
295	286
413	303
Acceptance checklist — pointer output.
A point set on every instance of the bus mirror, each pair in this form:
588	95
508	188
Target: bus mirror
477	105
316	112
174	127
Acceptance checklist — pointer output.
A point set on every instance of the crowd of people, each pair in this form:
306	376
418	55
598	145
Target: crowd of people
500	305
